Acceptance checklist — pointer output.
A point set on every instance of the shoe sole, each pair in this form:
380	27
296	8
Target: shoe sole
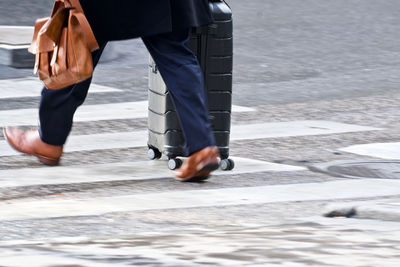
202	174
42	159
47	161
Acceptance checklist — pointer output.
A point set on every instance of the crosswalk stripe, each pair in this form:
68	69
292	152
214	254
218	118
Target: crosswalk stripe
143	170
19	210
33	258
115	111
294	128
239	132
31	87
93	142
127	110
378	150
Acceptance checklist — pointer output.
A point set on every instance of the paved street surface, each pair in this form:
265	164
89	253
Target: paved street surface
315	132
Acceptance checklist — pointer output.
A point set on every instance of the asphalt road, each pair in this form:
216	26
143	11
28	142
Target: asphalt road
286	51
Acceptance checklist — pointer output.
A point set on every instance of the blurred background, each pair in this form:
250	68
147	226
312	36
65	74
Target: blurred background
291	50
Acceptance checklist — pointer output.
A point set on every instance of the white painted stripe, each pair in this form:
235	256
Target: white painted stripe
9	47
95	252
242	109
125	110
143	170
17	27
16	35
31	87
294	128
12	257
106	141
239	132
378	150
93	142
17	210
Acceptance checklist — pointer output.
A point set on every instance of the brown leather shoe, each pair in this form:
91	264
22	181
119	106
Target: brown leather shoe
199	165
29	142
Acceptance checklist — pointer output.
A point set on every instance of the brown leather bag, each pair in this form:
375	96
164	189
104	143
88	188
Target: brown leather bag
63	44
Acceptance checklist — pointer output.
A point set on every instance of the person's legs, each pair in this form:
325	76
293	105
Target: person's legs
183	76
184	79
56	111
57	108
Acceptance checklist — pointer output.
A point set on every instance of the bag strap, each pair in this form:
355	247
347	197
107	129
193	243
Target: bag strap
87	31
73	3
79	14
57	5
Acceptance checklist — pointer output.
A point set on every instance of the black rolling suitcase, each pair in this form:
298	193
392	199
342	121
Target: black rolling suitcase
213	46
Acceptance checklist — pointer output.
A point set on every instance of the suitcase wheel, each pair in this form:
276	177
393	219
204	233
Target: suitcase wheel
227	164
174	164
153	153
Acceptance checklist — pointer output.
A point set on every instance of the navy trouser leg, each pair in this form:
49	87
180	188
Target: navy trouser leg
183	76
57	108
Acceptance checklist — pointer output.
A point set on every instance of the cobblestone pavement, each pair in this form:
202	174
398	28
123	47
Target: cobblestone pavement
233	241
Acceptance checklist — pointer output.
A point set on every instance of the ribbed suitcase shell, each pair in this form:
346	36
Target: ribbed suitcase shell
213	46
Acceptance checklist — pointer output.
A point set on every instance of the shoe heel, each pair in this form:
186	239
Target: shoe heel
48	161
210	167
203	174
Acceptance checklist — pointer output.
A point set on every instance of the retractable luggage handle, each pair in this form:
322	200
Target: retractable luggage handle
209	29
219	1
212	28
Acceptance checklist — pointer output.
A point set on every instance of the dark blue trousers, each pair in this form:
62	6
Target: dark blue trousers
182	74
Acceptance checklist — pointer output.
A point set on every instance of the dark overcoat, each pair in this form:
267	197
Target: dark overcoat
126	19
